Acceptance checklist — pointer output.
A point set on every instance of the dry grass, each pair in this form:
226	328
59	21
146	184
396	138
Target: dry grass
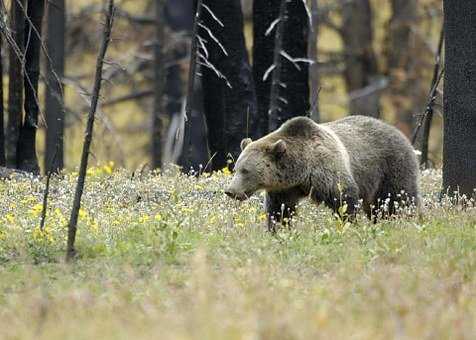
170	257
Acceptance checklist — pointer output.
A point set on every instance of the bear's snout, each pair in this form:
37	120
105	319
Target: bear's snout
235	195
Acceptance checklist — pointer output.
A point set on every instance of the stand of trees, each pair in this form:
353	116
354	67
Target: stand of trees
236	96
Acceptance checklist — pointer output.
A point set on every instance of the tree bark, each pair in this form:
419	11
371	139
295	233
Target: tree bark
294	94
160	78
27	159
54	105
459	146
2	118
361	70
264	13
404	90
194	118
230	104
15	83
314	68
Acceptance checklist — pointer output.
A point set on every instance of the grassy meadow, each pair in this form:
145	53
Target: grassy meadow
170	257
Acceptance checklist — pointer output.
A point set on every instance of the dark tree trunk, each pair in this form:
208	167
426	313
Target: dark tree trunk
27	159
404	90
54	105
264	13
361	71
459	146
15	83
159	76
2	118
295	91
230	104
180	19
314	69
195	152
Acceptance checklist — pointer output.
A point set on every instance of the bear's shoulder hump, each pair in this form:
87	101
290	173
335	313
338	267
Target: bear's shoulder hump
299	127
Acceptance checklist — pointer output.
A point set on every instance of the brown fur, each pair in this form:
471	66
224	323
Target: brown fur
335	163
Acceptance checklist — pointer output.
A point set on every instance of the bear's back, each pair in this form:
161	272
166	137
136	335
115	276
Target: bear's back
376	149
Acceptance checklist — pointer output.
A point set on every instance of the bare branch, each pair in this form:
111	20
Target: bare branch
215	39
73	222
213	15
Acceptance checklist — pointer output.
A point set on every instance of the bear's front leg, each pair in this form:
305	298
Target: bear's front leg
281	206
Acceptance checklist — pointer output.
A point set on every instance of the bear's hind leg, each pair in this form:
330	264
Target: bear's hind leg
281	207
392	199
348	197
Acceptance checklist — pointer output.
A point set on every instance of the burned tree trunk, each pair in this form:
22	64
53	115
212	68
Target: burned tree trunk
459	146
179	18
27	159
314	69
2	118
361	72
159	76
294	90
402	65
54	105
187	131
264	13
15	83
228	87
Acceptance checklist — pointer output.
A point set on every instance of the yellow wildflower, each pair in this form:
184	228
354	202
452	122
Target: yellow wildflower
37	209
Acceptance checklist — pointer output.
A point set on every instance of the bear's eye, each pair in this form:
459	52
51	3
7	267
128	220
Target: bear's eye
245	171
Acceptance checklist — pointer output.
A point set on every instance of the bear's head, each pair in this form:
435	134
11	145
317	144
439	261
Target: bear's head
261	165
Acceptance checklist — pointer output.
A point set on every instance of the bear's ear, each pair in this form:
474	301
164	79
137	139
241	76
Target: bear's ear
244	143
279	148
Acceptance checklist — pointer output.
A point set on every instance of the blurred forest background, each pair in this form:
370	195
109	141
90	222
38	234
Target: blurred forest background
374	57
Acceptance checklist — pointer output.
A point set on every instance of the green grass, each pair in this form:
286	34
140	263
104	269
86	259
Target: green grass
170	257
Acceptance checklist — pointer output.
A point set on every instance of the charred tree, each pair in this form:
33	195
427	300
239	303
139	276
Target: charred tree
159	79
459	146
54	105
2	118
264	13
361	71
187	132
27	159
314	69
294	89
228	87
15	83
179	19
402	57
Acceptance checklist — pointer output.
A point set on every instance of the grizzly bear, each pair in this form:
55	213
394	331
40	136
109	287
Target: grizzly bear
358	161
